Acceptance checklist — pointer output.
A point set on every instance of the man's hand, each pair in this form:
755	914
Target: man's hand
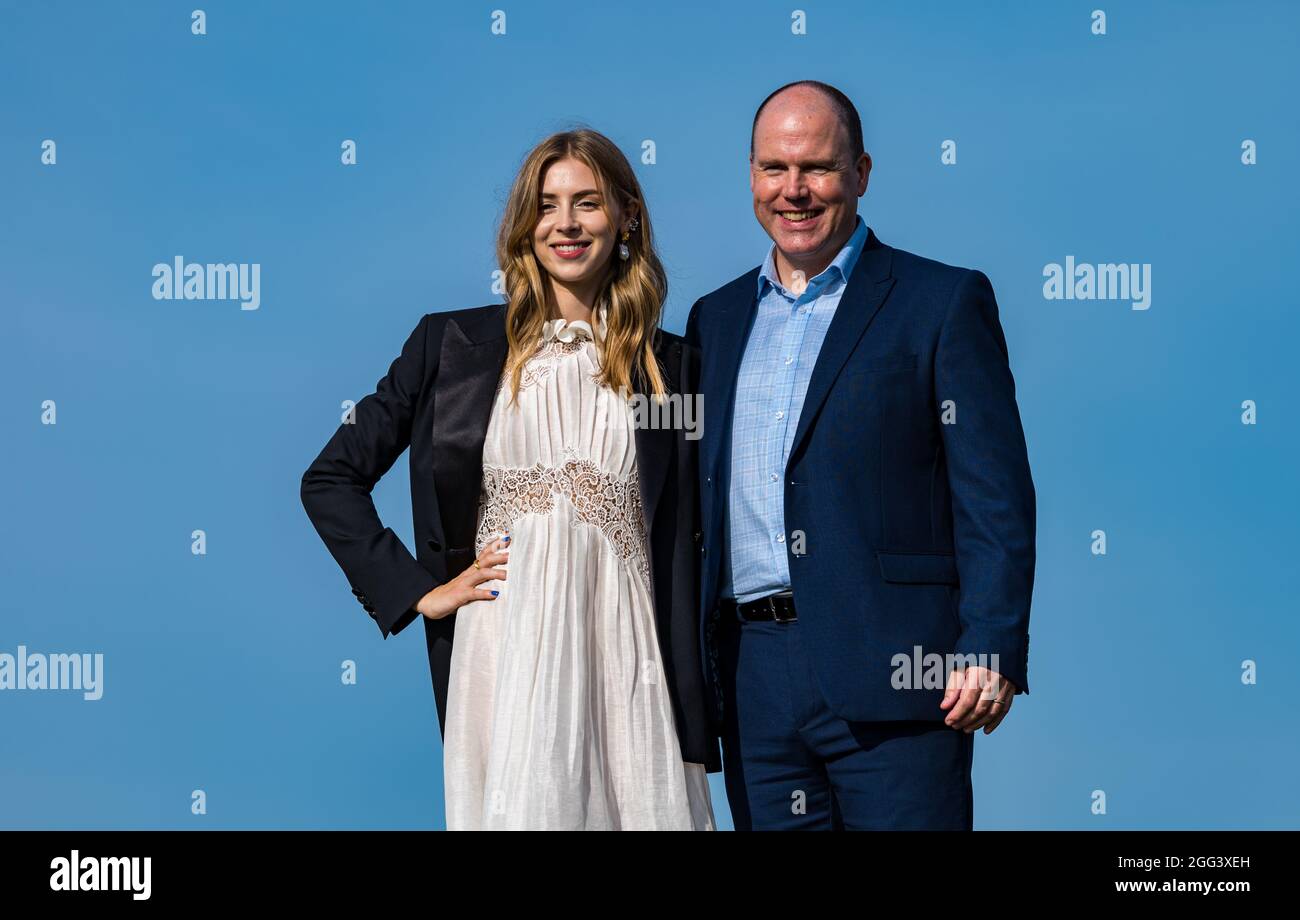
977	697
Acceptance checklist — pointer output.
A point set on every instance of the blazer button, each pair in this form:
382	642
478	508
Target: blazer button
435	546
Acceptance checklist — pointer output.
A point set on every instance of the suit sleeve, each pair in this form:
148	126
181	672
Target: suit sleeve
385	577
993	501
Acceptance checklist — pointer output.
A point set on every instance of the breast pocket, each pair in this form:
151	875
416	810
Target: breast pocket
868	379
884	363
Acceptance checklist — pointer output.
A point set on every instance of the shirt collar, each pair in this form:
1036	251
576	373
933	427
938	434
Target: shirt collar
564	331
841	265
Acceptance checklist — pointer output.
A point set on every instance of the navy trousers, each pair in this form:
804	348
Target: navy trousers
791	764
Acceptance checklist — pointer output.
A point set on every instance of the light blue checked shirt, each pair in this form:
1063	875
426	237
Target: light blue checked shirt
770	388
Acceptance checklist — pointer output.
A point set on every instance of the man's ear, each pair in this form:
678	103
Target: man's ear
864	174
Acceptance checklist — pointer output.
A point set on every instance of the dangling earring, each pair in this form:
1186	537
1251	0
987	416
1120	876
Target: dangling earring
623	252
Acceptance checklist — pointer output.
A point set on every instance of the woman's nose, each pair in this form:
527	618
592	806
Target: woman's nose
567	219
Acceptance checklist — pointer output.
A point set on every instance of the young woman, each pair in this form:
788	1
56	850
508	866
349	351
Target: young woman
559	527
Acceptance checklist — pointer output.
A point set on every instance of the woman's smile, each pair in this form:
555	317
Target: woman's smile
571	250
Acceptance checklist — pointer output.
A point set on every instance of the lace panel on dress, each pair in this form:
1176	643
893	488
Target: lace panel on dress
607	502
542	363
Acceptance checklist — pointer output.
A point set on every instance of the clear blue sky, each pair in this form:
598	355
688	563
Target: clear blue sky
222	671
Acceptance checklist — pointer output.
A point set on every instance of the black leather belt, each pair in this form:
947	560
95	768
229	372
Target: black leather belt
778	607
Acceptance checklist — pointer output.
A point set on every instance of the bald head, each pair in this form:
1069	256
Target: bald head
806	97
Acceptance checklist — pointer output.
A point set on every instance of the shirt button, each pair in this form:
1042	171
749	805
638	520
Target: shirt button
775	477
780	415
790	360
780	538
803	310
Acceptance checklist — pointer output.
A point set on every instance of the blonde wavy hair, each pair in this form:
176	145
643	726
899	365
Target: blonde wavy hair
633	291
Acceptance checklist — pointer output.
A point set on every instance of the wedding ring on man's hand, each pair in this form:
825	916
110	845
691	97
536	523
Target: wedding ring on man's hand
477	566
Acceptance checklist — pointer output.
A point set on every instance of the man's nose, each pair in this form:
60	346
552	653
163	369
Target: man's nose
794	185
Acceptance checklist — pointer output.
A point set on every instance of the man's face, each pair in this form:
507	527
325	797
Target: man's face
805	183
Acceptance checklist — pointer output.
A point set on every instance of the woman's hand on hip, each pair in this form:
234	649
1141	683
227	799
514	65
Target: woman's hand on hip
469	585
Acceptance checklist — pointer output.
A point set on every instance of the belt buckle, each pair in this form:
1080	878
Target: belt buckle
776	610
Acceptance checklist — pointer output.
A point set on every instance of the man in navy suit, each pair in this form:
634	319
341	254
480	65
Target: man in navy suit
867	508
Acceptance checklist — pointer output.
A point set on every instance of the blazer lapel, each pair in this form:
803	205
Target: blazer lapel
469	368
721	365
866	290
654	445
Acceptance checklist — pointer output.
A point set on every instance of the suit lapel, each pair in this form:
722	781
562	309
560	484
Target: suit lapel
469	368
721	364
654	445
866	290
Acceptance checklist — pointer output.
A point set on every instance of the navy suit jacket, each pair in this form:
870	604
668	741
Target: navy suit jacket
909	506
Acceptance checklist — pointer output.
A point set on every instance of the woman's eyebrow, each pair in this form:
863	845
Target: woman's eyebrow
585	191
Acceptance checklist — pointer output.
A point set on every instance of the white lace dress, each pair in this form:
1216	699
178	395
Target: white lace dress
558	710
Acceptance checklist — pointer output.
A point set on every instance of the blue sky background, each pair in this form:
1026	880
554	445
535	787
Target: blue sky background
222	671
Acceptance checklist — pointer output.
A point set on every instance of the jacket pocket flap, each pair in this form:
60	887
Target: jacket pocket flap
459	558
918	568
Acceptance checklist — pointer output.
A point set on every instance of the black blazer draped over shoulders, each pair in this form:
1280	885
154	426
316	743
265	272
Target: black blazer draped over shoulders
437	400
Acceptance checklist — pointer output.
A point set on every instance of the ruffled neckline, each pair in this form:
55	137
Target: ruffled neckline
562	330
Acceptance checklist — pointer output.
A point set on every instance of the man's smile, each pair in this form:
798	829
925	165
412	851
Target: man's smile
800	220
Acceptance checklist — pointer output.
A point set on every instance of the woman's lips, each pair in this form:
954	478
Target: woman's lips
578	253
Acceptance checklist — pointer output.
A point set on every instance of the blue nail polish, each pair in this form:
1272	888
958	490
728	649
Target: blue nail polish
507	539
495	593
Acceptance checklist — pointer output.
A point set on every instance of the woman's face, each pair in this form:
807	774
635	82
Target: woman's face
575	239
